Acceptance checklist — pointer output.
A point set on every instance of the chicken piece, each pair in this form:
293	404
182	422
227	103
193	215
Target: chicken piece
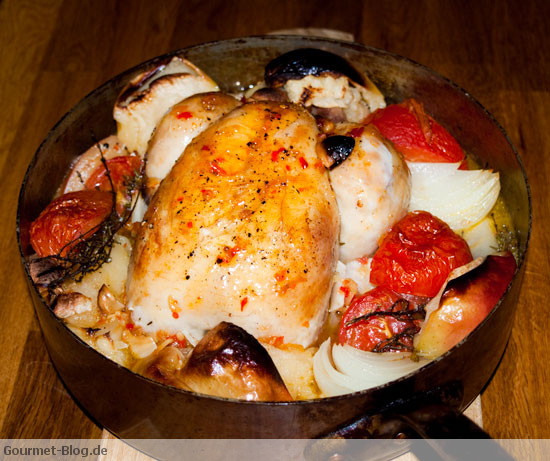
178	128
372	188
229	362
243	229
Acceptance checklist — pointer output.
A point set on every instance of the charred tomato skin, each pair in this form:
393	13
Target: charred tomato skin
417	255
67	220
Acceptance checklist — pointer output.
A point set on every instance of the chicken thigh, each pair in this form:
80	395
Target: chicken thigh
372	189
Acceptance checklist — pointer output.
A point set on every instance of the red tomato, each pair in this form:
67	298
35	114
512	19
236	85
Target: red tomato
415	134
64	222
380	333
417	255
120	168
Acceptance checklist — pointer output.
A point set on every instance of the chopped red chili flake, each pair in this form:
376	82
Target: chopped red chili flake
303	162
244	301
275	154
287	167
364	260
180	342
130	326
205	147
275	340
179	199
356	132
344	289
184	115
216	168
190	224
233	251
173	304
228	254
280	276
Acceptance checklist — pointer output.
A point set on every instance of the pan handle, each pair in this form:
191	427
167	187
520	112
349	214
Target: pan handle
432	428
450	435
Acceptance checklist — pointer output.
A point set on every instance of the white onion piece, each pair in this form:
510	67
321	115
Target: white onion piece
461	198
343	369
251	90
481	238
330	381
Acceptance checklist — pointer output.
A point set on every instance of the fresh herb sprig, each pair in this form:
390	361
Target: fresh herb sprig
89	251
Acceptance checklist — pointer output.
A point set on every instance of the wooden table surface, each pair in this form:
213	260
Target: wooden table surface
52	53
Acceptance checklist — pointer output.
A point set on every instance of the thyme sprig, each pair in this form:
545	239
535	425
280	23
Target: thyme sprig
396	343
404	313
399	310
90	250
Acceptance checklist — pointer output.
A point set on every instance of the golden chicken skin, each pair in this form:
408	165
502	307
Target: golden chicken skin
243	229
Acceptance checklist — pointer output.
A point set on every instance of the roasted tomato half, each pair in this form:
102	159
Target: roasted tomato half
417	255
68	220
122	169
417	135
381	320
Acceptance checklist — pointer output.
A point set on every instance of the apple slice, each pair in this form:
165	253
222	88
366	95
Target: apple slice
465	302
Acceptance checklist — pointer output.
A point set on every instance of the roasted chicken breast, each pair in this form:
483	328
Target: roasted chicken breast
243	229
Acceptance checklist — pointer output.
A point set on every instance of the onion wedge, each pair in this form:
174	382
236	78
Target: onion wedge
461	198
341	369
